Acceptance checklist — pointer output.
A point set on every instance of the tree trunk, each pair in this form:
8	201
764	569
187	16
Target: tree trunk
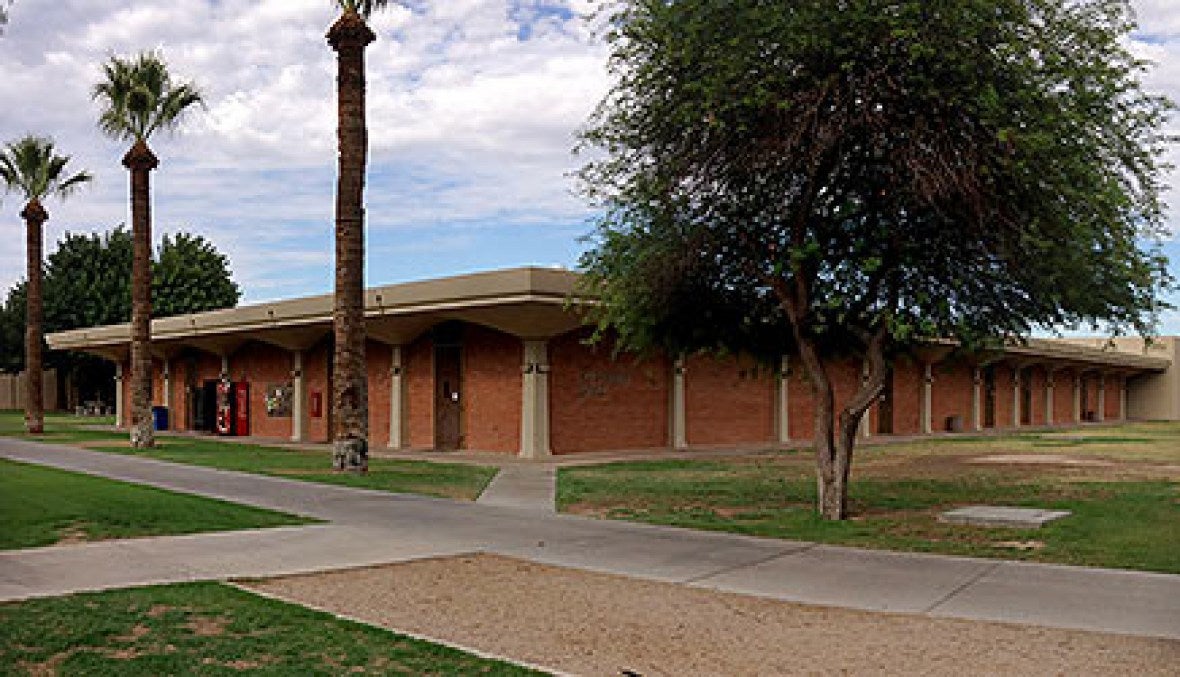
141	162
350	393
835	434
35	217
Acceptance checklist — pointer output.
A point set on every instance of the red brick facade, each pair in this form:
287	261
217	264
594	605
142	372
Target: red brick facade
599	401
728	401
492	392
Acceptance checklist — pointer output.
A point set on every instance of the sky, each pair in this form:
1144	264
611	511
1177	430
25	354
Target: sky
473	110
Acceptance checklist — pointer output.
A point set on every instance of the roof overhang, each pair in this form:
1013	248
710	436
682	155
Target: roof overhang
530	303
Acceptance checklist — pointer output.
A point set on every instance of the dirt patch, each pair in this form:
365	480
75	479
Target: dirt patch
72	535
1041	459
159	610
239	664
1020	545
135	634
206	626
600	624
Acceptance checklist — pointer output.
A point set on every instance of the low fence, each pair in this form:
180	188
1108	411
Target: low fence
12	390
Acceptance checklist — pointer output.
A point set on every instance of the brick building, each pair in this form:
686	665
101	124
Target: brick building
497	362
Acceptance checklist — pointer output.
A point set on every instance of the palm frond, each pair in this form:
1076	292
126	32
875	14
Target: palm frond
139	97
31	166
363	7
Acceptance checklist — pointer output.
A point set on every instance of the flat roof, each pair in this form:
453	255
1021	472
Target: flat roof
528	302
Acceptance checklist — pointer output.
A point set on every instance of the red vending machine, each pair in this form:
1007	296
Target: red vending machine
241	408
225	408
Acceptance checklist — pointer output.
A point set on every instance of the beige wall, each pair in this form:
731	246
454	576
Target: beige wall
12	390
1155	397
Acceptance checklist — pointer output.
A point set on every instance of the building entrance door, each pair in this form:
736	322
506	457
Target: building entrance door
448	397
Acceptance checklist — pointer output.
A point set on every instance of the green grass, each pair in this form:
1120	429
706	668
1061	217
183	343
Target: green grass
209	629
41	506
1125	514
445	480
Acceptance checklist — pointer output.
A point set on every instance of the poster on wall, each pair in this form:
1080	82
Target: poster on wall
278	400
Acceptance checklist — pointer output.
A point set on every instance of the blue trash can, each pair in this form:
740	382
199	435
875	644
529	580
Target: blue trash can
159	418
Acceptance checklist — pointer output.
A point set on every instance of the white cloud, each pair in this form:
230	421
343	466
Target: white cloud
473	105
468	122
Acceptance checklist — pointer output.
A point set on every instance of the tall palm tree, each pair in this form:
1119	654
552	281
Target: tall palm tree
32	168
139	97
350	393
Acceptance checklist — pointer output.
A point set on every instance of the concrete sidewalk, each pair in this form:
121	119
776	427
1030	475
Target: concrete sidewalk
529	487
368	527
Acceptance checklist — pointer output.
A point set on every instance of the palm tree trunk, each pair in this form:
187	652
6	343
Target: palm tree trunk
141	161
35	217
350	393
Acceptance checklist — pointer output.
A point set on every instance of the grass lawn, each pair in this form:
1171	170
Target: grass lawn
209	629
42	506
446	480
1122	484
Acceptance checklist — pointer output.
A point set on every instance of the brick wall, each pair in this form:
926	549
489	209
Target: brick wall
418	370
951	394
492	389
1036	382
261	365
315	375
845	376
1065	395
907	397
1004	380
597	402
1113	387
379	358
728	401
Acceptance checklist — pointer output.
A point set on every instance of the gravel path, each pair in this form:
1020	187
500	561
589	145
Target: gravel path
599	624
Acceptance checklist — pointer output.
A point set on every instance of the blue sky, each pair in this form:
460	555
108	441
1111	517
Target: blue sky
473	107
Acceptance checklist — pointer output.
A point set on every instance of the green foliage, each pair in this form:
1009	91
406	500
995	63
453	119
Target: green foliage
773	171
32	168
43	505
86	285
139	97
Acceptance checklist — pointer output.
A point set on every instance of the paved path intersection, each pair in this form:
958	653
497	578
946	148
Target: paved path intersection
364	527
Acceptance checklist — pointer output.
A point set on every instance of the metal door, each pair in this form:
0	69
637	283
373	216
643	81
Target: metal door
448	401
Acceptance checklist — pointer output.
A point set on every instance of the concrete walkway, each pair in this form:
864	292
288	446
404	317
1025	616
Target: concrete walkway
530	487
367	527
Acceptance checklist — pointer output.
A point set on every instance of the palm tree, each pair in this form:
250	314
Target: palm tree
350	393
32	168
139	97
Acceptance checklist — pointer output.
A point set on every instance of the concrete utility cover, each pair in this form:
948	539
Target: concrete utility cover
1000	516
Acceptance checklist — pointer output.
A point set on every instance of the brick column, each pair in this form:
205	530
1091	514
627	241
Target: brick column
298	400
927	398
396	427
679	422
1077	396
119	395
977	399
783	411
534	412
